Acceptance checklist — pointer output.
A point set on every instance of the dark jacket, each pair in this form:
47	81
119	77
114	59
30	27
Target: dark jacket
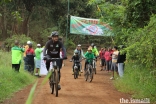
121	58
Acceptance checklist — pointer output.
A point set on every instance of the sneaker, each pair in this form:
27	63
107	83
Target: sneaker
73	73
81	71
101	69
59	87
112	78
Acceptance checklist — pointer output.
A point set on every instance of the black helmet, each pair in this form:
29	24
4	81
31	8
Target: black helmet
54	33
92	44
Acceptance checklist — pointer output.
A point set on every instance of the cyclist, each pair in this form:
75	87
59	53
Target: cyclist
52	50
95	52
80	53
89	57
76	59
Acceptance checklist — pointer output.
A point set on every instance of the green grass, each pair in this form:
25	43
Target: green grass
11	81
138	81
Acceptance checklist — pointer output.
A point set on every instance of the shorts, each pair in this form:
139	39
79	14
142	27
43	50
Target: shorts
114	67
38	63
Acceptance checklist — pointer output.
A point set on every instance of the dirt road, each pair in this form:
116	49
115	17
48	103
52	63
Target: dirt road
74	91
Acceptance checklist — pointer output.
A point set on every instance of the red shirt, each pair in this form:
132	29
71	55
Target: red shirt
108	56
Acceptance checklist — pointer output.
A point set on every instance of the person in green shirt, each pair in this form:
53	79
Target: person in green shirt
16	52
38	52
89	56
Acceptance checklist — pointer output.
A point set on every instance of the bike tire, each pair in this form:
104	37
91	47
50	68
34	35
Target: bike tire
52	84
86	75
75	74
56	82
91	74
95	70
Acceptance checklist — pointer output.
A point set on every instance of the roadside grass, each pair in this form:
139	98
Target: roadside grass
138	81
11	81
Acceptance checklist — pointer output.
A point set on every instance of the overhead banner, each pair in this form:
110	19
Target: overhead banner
86	26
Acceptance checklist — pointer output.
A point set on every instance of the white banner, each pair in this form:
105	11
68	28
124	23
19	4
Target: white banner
43	70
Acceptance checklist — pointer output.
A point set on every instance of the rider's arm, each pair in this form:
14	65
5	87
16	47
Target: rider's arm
96	52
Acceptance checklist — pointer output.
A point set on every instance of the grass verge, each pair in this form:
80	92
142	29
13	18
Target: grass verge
139	82
11	81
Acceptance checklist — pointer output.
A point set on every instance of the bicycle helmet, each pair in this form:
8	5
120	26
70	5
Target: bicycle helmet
92	44
28	42
76	52
79	45
54	33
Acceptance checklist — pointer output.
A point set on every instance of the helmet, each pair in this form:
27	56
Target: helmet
92	44
54	33
29	42
76	52
39	45
79	45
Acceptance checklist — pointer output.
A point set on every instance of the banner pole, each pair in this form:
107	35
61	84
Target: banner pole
67	25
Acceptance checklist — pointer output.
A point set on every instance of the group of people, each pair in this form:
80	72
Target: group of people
31	57
112	60
91	54
54	48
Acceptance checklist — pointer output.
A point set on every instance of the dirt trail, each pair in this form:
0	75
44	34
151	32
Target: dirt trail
74	91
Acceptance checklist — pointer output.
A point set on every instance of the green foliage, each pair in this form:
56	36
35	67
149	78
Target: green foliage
137	81
21	38
142	44
10	80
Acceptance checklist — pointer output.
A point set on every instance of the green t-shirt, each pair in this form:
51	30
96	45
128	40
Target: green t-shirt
16	54
38	53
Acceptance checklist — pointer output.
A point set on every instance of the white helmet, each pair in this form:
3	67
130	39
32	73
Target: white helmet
79	45
39	45
29	42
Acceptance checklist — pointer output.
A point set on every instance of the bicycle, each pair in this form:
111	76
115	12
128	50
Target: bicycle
94	66
54	77
76	68
89	71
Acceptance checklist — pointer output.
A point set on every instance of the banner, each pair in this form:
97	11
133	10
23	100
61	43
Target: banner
88	26
43	69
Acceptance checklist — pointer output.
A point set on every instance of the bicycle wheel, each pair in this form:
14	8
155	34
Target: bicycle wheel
56	82
75	74
91	75
52	83
86	75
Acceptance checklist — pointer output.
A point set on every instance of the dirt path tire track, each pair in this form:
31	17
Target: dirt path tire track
74	91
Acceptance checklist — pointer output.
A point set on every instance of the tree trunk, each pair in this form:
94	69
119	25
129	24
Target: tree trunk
4	22
25	26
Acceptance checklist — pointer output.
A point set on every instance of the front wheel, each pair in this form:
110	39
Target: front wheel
56	82
75	74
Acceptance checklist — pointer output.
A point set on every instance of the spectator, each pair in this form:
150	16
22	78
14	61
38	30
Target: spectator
30	58
24	55
114	61
108	59
38	51
121	59
102	52
16	56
